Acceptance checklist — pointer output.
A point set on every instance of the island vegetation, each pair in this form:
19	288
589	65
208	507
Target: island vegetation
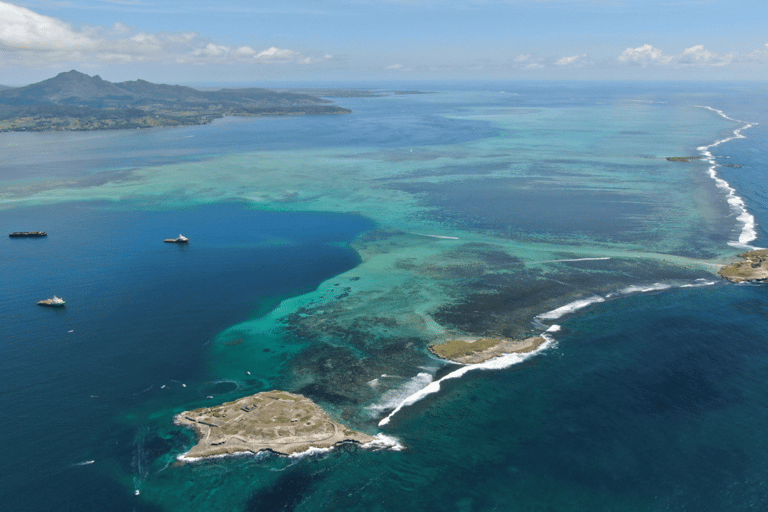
76	101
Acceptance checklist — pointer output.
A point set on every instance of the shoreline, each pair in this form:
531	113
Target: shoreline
480	350
151	120
496	363
276	421
753	268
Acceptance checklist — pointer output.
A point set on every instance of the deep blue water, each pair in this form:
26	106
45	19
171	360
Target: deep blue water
140	314
654	402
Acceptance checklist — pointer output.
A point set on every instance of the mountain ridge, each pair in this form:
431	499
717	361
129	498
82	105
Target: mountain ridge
76	101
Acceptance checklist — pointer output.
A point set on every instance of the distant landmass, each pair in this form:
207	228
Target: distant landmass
76	101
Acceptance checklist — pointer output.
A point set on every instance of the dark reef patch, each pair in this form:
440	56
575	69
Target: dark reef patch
339	376
453	170
504	304
525	206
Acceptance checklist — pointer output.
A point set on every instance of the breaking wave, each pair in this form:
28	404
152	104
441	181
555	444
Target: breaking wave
498	363
748	231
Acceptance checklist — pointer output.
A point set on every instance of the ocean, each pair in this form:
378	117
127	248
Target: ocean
326	253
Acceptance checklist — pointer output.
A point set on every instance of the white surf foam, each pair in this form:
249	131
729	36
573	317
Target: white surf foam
570	308
699	282
393	397
642	288
577	259
384	442
596	299
497	363
184	458
748	230
309	452
443	237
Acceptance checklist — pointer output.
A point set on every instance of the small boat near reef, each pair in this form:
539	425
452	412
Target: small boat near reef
181	239
55	302
28	234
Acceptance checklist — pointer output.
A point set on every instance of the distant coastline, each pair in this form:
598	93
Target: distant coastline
74	101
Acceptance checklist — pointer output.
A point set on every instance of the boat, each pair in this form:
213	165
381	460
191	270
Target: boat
55	302
27	234
181	239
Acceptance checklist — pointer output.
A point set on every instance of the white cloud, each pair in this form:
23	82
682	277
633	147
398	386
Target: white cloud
33	40
565	61
211	50
276	54
644	55
24	29
699	55
693	56
245	51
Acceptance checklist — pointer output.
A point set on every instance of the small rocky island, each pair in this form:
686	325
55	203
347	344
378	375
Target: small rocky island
28	234
753	268
683	158
473	351
282	422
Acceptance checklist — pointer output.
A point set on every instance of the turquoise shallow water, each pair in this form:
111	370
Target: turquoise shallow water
328	252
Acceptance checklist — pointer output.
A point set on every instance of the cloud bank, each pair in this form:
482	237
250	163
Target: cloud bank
647	55
34	40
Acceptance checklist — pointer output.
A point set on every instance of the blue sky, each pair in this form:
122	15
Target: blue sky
198	41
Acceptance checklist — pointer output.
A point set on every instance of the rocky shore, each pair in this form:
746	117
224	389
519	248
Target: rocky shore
473	351
753	268
278	421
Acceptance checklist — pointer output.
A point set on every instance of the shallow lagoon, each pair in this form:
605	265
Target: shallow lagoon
477	204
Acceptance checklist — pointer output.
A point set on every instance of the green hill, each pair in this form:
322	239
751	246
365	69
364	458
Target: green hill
76	101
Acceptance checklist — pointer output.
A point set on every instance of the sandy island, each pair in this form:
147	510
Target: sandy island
473	351
282	422
753	268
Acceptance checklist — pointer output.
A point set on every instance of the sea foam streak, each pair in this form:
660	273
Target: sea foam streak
443	237
497	363
748	231
379	442
393	397
655	287
570	308
579	304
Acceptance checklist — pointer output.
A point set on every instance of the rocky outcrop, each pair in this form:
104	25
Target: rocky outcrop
282	422
753	268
